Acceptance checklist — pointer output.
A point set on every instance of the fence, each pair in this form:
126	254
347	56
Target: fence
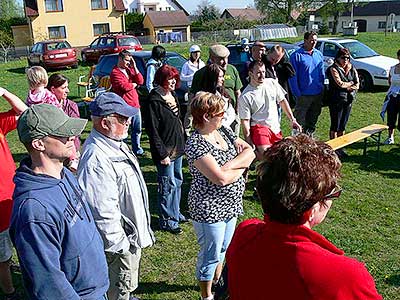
14	53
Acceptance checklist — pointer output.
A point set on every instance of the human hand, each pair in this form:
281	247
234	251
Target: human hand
166	161
132	63
296	125
240	145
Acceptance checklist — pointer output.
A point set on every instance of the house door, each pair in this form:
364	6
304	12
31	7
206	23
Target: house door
362	25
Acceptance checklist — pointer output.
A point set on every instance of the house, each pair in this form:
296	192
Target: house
144	6
166	26
370	17
248	13
78	21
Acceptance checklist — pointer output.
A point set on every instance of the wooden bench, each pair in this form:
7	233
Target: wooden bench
373	131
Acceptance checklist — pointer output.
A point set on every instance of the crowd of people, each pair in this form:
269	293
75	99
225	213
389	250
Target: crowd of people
79	217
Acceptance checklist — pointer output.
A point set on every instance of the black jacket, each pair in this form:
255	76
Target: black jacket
163	127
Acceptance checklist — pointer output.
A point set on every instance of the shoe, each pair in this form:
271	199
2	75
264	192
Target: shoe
389	141
141	154
175	231
341	153
133	298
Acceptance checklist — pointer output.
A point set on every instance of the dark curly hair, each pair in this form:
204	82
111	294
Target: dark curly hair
296	173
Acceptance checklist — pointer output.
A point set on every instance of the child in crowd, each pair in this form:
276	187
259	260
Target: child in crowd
37	80
38	93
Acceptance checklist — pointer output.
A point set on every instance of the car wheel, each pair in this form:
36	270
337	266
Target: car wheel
366	83
74	66
83	57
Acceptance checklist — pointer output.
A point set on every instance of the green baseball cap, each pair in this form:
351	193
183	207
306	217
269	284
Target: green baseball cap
41	120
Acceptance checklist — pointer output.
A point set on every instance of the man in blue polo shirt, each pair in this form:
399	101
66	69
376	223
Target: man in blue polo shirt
308	83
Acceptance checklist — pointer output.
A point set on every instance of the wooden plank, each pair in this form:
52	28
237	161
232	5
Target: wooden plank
355	136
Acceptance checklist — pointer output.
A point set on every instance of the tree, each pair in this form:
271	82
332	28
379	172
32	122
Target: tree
6	43
335	8
206	12
280	11
134	22
10	9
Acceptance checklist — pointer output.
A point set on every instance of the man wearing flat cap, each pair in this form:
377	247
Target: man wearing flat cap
218	54
113	183
52	227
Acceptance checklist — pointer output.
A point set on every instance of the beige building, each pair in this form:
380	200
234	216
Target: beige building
167	26
78	21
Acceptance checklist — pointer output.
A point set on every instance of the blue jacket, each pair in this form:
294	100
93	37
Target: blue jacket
310	75
60	251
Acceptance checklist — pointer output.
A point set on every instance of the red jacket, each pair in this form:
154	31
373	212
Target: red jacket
122	85
269	260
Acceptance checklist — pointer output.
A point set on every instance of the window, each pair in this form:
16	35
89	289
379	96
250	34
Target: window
57	32
168	8
381	24
330	25
330	49
53	5
99	29
99	4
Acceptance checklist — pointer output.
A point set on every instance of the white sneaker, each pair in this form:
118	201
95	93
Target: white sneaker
389	141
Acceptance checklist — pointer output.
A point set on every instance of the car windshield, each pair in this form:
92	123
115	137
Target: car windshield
359	50
58	45
175	61
128	41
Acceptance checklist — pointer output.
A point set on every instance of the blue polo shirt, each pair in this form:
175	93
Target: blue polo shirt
310	75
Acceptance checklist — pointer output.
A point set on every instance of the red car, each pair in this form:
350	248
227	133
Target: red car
108	44
53	55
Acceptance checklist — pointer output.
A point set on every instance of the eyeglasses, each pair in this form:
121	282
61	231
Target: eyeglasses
335	193
219	114
121	119
345	57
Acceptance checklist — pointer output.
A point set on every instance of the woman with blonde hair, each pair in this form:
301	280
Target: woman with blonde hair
217	160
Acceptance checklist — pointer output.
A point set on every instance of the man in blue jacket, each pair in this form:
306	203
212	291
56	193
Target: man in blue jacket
59	249
308	83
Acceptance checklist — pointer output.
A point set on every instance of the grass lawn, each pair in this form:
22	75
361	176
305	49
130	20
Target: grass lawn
364	222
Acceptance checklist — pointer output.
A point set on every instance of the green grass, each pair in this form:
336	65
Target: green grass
364	222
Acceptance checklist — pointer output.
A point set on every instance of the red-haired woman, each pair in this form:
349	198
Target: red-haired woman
167	144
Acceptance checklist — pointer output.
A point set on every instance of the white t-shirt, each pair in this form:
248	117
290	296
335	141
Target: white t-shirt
395	85
260	104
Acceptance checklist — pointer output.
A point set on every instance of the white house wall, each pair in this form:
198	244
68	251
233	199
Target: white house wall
372	22
139	5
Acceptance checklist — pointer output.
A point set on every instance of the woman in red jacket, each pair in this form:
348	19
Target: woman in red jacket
125	78
281	257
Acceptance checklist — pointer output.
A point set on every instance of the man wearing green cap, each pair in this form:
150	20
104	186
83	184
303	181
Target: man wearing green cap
52	228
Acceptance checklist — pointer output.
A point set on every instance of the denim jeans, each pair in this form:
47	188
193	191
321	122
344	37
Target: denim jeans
136	132
214	239
169	178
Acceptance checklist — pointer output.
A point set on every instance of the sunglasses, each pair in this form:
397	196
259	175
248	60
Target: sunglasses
335	193
345	57
220	114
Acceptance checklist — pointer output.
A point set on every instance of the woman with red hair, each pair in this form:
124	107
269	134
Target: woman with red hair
167	143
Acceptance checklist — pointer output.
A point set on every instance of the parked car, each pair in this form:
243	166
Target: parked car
53	55
373	68
108	44
107	63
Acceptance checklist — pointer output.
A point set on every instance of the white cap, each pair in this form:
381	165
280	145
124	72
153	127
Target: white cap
194	48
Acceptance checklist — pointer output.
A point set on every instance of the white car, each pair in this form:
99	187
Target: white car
373	68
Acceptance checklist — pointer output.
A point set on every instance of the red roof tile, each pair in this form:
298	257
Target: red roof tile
31	9
119	5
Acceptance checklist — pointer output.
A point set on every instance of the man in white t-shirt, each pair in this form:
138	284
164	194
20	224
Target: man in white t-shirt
258	109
